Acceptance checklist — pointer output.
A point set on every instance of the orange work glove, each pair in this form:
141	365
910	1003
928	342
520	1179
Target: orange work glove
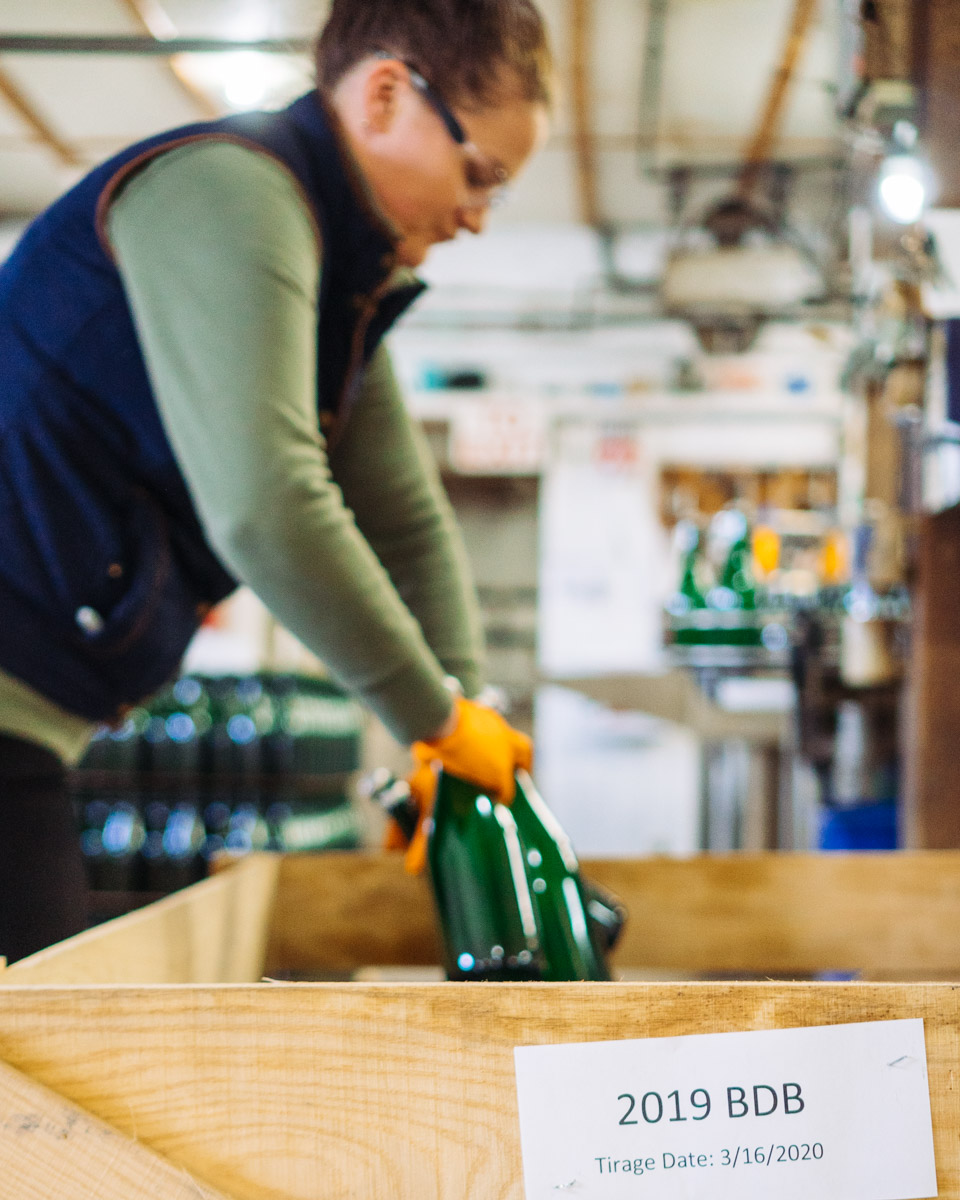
482	749
423	789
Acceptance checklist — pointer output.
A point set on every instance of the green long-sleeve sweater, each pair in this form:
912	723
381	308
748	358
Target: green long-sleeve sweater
355	550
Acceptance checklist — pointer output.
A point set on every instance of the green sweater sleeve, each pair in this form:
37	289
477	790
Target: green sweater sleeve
219	258
402	510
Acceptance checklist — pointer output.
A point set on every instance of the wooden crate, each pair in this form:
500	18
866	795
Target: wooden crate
146	1059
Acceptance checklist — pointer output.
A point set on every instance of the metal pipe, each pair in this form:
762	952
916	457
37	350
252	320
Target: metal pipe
581	45
133	44
651	85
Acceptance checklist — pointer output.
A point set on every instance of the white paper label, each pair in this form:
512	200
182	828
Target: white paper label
836	1111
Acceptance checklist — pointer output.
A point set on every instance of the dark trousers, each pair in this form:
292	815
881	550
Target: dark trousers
43	886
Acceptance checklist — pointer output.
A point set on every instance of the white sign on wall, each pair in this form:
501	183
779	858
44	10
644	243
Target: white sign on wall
601	556
498	438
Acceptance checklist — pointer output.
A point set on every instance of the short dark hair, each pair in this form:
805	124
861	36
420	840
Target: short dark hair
468	49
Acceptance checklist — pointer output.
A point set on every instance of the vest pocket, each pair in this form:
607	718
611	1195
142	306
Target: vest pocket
138	644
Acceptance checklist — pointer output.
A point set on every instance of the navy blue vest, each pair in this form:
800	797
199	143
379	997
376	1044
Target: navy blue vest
105	572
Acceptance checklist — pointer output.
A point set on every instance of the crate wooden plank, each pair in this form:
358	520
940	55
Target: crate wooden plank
213	932
748	913
339	912
784	913
340	1091
889	916
52	1148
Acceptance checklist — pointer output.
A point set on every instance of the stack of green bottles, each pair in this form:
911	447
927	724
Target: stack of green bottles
211	764
510	900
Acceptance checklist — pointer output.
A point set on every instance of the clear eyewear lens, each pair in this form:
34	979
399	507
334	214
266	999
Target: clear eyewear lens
483	176
495	199
486	177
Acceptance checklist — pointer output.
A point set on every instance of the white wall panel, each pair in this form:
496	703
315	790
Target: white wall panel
66	16
246	18
31	178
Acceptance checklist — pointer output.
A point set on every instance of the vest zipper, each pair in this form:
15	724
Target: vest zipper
368	306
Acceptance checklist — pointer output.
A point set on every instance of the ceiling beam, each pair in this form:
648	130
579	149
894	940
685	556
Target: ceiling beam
760	149
584	137
153	20
40	127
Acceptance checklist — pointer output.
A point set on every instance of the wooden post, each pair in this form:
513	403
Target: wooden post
16	99
581	45
938	52
932	743
890	33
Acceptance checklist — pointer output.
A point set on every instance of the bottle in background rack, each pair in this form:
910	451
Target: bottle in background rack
184	837
689	595
736	588
239	712
117	864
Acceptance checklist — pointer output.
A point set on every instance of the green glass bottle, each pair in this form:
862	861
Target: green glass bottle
737	573
734	598
477	867
510	900
689	595
395	798
689	601
607	916
573	941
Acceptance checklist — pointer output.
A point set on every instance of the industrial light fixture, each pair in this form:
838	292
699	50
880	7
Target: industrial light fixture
747	271
247	79
904	188
250	79
905	182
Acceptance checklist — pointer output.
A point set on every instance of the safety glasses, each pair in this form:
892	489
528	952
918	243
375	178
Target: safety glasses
482	173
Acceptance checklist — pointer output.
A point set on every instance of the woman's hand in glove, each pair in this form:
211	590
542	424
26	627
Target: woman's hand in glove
477	745
481	748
